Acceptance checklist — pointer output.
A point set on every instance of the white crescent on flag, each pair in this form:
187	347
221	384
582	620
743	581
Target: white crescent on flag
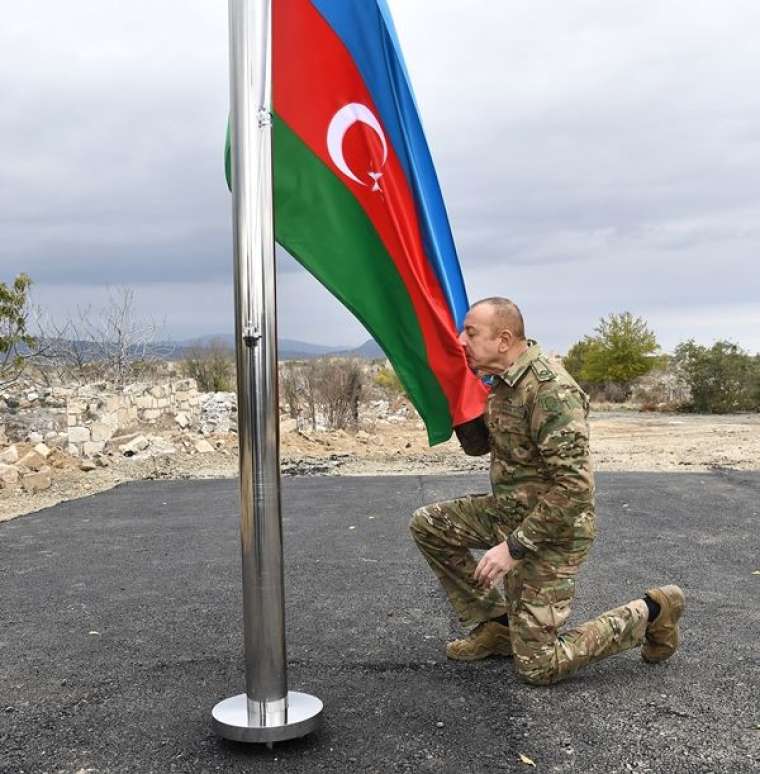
340	123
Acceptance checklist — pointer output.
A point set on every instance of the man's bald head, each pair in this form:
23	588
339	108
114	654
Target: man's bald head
506	316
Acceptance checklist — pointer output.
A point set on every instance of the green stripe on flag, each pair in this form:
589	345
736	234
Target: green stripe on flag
320	223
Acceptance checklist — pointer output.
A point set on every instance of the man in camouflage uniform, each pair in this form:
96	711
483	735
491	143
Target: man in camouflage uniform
538	524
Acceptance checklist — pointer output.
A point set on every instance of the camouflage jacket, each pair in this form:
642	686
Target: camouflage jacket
538	436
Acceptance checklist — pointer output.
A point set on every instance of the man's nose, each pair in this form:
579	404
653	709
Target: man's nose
461	338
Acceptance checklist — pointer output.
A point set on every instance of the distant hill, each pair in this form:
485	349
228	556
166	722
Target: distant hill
369	350
287	349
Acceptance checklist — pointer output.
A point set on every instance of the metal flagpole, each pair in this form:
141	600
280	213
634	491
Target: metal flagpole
267	711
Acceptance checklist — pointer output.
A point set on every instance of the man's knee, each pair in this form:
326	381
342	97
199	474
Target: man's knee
538	669
419	523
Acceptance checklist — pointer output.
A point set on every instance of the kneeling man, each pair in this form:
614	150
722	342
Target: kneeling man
538	524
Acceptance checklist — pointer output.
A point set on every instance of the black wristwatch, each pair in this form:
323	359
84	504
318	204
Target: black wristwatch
516	549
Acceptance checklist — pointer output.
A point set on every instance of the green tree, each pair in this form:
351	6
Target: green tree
722	378
16	343
623	349
576	356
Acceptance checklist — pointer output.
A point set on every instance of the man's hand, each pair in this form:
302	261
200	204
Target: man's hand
494	565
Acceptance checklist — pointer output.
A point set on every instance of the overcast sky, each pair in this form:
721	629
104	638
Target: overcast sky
595	156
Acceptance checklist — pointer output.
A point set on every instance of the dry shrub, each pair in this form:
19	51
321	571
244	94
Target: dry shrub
660	390
322	391
212	366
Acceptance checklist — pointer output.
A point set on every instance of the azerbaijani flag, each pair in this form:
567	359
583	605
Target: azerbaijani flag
357	200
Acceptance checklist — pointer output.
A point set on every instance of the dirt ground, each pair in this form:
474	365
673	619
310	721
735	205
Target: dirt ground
620	441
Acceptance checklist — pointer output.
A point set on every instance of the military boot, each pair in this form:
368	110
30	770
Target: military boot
488	638
662	635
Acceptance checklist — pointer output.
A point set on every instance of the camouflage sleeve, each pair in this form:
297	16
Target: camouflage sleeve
473	437
560	431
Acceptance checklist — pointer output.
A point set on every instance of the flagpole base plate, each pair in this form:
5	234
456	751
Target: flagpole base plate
230	719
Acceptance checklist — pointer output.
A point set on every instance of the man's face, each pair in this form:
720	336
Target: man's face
483	346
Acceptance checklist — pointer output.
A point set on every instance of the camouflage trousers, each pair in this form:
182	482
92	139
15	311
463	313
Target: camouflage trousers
537	592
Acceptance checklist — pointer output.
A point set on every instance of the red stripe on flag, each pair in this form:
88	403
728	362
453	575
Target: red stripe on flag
314	76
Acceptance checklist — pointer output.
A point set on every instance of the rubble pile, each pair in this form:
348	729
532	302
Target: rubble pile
218	413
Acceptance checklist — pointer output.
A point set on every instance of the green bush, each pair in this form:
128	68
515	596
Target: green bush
722	378
387	380
16	344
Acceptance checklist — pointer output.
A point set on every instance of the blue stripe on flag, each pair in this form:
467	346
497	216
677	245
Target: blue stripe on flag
367	31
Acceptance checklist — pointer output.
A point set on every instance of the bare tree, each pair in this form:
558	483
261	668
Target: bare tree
334	387
110	342
291	388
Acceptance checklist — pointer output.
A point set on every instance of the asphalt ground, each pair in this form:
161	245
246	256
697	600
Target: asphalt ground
120	628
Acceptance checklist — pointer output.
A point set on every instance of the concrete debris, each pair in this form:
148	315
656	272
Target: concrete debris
137	444
218	413
32	461
36	482
8	475
42	450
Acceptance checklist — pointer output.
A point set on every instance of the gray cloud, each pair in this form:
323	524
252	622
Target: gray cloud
594	157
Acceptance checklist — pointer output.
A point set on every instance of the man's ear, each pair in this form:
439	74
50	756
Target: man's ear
506	339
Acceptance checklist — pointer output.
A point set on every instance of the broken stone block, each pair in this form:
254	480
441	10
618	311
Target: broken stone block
203	447
79	434
135	445
73	450
182	420
9	455
151	415
87	465
118	440
102	461
42	450
36	482
34	438
32	460
8	475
